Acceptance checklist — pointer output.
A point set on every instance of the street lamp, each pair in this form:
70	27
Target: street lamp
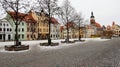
4	33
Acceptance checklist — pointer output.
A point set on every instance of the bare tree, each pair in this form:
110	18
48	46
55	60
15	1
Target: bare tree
16	6
51	8
67	15
78	21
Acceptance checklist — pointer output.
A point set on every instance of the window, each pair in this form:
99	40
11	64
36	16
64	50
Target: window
22	36
10	29
22	29
4	29
0	29
19	36
22	24
7	29
56	35
27	29
3	24
0	36
31	35
7	24
51	36
27	36
0	24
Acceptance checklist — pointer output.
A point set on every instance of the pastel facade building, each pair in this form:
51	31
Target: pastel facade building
55	29
26	26
22	27
73	30
42	25
6	31
31	26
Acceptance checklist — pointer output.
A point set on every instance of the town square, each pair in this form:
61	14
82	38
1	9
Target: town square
59	33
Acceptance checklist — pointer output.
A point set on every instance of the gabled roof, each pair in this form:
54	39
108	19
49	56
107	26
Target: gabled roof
70	24
29	19
14	15
23	17
53	20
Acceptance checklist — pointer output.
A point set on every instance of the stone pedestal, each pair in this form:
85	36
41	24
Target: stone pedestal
46	44
16	48
79	40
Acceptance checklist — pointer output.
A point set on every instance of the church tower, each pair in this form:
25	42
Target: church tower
92	19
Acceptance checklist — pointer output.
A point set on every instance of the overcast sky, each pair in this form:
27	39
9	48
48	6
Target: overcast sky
105	11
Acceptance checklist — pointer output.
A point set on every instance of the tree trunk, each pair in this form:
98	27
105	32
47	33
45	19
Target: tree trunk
16	36
79	32
67	40
49	39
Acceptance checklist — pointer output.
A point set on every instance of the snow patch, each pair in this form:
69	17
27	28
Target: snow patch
4	51
44	48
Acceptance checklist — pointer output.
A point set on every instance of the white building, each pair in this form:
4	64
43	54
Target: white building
55	29
89	32
73	31
5	29
65	33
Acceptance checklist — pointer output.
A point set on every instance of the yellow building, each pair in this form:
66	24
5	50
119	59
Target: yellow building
31	27
42	24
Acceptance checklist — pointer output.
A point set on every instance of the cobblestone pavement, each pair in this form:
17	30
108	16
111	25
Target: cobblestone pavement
90	54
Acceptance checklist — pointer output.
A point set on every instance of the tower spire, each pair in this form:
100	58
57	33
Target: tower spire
92	16
92	19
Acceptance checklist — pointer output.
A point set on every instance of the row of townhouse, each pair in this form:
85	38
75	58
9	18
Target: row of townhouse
74	31
6	31
33	27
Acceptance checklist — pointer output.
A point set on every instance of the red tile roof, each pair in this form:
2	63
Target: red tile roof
70	24
53	20
97	25
24	17
29	19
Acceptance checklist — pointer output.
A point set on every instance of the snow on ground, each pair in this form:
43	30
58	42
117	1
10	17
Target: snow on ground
45	48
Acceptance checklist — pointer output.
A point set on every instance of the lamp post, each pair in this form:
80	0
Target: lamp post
4	33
